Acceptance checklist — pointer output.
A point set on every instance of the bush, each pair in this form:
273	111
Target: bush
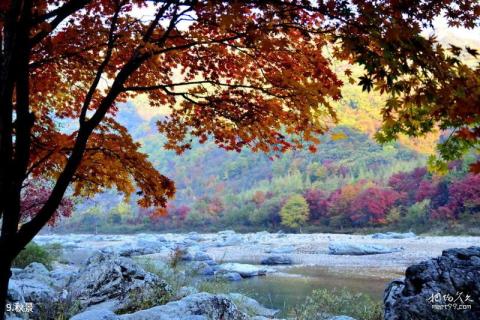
323	304
34	253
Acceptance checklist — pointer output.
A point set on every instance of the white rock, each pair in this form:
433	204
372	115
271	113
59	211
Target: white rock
245	270
347	248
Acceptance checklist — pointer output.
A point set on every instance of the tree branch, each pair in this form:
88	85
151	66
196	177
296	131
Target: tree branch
103	65
59	15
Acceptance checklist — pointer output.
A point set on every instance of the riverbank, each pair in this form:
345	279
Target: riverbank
303	249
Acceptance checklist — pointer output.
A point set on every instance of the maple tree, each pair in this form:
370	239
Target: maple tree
371	205
317	203
464	196
409	184
34	196
243	73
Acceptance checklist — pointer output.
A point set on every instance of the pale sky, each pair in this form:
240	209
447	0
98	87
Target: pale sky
458	36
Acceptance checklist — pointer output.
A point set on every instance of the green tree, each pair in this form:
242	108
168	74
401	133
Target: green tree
295	212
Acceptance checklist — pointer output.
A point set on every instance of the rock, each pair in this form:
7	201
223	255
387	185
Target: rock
245	270
345	248
281	250
154	245
432	284
226	232
186	256
14	293
97	314
129	250
275	260
62	274
202	268
231	276
211	262
230	240
201	256
35	271
394	235
36	268
392	293
107	276
194	236
200	306
141	247
32	284
30	290
251	306
186	291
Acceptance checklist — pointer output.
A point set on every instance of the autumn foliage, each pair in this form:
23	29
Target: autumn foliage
255	74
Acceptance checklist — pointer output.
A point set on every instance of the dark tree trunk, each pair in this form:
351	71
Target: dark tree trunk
5	274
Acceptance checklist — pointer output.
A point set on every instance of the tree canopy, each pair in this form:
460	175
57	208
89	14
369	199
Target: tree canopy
243	73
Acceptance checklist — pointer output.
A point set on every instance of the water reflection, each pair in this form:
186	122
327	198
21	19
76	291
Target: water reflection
287	290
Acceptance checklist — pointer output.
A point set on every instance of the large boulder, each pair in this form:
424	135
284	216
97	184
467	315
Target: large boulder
32	284
394	235
33	292
34	271
353	249
275	260
107	276
245	270
202	268
140	247
200	306
446	287
201	256
61	275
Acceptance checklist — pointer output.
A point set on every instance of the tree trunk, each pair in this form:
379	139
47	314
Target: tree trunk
5	274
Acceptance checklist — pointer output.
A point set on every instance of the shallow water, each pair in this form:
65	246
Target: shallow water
288	289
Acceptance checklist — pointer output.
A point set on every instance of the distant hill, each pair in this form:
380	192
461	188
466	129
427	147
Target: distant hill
205	168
